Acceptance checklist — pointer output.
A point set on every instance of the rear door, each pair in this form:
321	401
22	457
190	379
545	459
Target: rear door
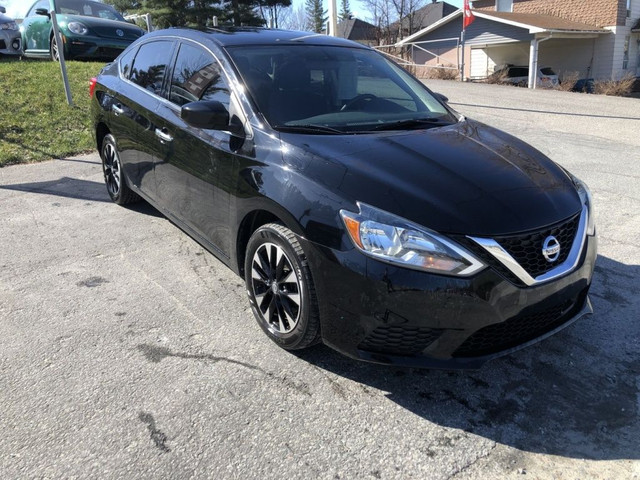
193	170
134	110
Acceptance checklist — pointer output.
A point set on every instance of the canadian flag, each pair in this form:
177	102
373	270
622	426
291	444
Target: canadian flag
468	17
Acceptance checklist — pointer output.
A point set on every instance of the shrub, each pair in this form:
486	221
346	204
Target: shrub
568	81
439	72
498	78
617	88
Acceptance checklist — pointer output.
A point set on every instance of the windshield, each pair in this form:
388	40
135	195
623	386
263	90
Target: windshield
340	89
87	9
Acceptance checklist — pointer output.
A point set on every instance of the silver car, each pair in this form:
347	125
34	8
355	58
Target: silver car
10	39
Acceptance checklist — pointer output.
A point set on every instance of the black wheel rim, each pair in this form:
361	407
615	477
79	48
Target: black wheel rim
276	288
111	164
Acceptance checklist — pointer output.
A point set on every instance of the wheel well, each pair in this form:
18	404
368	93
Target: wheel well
101	132
251	222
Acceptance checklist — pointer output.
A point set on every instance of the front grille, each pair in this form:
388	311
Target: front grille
526	249
109	52
399	340
518	330
3	45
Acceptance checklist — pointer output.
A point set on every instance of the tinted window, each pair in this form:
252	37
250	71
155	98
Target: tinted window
126	62
197	76
518	72
150	65
547	71
350	89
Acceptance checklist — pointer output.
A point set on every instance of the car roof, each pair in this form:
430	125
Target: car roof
233	36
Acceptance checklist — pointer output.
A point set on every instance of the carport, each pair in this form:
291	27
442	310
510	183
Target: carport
497	38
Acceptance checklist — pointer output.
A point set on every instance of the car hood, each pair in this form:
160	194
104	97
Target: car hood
5	18
466	178
103	27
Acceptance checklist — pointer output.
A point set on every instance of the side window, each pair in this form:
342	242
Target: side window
197	76
150	65
40	4
126	62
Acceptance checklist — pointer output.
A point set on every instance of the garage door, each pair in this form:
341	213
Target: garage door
481	65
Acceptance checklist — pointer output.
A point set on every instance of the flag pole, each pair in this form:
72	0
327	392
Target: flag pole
462	54
60	47
467	19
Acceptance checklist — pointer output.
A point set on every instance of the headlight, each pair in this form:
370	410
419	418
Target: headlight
77	28
9	26
587	199
395	240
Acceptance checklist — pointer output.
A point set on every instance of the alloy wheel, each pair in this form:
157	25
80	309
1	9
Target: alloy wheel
276	288
111	164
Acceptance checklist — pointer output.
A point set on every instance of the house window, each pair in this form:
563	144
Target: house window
625	56
628	8
504	5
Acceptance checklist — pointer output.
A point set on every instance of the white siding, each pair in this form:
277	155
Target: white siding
603	56
567	56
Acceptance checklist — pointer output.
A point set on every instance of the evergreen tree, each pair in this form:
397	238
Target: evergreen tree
316	16
345	10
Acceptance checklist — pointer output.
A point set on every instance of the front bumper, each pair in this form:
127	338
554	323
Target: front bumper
10	42
380	313
93	47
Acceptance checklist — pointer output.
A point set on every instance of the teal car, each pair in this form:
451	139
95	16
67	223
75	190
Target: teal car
89	30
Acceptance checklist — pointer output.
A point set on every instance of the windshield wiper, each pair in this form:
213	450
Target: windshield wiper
412	123
308	128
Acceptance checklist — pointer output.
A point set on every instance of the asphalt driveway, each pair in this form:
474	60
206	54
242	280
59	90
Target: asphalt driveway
128	351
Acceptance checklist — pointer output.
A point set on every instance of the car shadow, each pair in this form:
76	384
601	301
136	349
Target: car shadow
575	394
79	189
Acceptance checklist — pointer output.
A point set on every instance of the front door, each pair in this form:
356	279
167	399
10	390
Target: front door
192	161
37	30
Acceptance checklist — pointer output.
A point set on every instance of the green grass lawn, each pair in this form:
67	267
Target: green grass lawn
36	123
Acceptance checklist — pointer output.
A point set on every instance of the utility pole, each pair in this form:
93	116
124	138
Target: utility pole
333	19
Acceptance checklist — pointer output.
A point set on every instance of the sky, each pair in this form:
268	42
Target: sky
360	10
17	8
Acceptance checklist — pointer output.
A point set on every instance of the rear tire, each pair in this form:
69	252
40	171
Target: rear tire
114	179
280	288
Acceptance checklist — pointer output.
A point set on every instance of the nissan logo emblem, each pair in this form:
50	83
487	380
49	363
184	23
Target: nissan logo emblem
120	33
551	249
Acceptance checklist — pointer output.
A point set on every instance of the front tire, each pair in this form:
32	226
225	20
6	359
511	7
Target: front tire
114	179
53	49
280	288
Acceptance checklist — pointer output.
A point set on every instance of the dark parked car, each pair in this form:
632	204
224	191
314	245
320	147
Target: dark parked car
90	30
10	43
359	208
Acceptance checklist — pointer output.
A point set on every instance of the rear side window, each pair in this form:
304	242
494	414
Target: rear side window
197	76
150	65
126	62
547	71
518	72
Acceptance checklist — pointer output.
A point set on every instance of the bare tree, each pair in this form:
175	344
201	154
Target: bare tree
294	18
381	12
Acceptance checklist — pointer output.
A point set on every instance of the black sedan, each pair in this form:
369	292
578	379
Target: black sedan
360	209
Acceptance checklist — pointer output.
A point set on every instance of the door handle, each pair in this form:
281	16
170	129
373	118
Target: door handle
117	109
163	135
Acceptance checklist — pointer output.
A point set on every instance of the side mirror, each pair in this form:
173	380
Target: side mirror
2	9
441	97
43	11
210	115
